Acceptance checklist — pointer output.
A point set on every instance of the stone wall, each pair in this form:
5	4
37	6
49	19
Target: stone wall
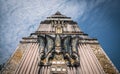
105	62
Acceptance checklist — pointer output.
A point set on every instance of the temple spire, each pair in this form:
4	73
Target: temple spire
58	13
59	47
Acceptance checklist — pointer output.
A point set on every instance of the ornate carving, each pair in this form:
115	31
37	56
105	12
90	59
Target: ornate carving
49	47
42	44
67	49
67	44
45	48
75	56
57	41
58	48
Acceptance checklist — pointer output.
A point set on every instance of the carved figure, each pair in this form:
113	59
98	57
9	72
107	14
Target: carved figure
75	55
42	44
50	47
67	49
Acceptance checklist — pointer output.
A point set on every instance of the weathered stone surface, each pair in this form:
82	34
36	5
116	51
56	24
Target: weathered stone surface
105	62
14	61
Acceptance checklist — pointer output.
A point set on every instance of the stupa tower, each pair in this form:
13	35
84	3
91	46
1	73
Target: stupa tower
59	47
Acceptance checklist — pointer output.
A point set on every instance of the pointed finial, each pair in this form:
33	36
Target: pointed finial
57	13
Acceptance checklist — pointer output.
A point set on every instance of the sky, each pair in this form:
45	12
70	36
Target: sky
98	18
